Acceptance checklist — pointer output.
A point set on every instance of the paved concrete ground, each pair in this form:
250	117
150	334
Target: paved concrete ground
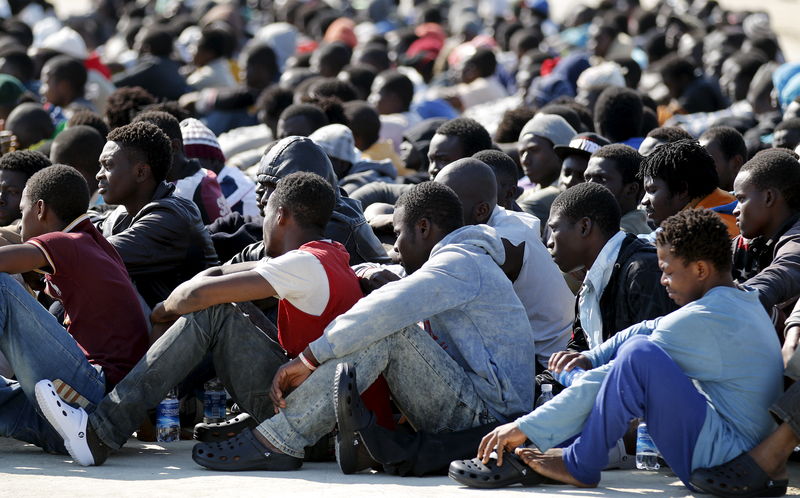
142	469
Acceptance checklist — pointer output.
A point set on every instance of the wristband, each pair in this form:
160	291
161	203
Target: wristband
306	362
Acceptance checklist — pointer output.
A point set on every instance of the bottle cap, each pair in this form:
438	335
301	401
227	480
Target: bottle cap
547	388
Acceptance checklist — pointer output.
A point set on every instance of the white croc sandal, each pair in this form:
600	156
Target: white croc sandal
68	421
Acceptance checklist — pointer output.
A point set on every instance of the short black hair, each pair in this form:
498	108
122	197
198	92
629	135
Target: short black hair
333	87
147	140
788	124
484	61
63	68
62	188
158	40
685	166
697	235
85	117
398	84
20	63
361	76
669	134
589	200
512	123
434	201
218	40
676	66
165	121
308	196
364	121
80	147
772	168
263	55
618	114
627	160
125	103
273	101
500	162
731	142
27	162
474	137
312	113
335	54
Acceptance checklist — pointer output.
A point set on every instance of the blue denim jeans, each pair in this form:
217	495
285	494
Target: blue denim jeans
38	347
433	391
245	359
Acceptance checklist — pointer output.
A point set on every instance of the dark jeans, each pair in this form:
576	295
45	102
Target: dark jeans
244	358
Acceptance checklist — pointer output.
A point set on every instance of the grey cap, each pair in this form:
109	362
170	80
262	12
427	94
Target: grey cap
549	126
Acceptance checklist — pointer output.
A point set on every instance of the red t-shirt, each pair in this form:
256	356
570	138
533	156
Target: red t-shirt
103	313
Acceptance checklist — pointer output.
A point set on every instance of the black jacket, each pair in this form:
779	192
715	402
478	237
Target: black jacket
162	245
634	293
347	224
158	75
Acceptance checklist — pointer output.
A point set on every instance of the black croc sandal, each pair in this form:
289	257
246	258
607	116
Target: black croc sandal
209	433
741	477
475	474
243	452
351	416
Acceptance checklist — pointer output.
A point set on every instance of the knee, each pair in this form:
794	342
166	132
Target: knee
639	350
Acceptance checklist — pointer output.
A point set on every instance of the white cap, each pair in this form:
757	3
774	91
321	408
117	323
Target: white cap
547	388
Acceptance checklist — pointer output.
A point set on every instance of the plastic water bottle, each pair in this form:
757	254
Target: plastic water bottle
168	424
646	451
214	398
547	395
567	378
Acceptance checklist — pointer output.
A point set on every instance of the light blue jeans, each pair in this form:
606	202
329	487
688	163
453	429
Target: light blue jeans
38	347
429	387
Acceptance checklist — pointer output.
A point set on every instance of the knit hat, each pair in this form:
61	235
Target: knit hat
199	142
337	141
549	126
607	73
584	144
10	90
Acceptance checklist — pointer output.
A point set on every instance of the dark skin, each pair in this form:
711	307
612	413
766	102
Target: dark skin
125	178
604	171
660	202
294	126
443	150
475	187
685	281
572	169
385	101
12	183
726	168
538	159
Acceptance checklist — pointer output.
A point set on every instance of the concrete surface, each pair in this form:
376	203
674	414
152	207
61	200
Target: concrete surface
142	469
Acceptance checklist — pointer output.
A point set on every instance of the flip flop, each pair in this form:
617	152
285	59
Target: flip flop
741	477
208	433
475	474
242	452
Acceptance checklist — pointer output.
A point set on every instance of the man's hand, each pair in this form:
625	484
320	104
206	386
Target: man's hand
375	279
790	343
287	378
382	223
567	360
161	315
505	437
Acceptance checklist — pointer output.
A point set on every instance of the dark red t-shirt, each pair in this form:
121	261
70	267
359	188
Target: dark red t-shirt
103	313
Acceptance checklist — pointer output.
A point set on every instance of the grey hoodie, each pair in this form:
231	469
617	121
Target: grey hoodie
473	312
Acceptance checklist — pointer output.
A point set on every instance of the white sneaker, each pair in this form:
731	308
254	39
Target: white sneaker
68	421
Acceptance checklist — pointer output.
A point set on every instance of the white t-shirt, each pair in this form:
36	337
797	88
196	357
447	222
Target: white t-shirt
540	286
299	277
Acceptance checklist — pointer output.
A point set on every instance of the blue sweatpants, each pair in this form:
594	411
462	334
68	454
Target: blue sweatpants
644	383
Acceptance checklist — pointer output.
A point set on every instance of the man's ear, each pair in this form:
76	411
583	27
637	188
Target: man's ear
770	197
282	216
633	190
585	226
424	228
482	212
701	269
41	210
142	172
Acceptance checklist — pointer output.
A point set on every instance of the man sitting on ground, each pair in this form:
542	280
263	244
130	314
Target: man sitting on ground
690	358
106	334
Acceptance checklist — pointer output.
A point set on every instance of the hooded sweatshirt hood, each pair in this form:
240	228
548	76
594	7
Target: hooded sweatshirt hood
473	238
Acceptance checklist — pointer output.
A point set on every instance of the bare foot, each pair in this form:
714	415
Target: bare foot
264	441
550	464
771	454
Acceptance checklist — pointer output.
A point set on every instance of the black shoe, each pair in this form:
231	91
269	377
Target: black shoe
351	416
242	452
222	431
